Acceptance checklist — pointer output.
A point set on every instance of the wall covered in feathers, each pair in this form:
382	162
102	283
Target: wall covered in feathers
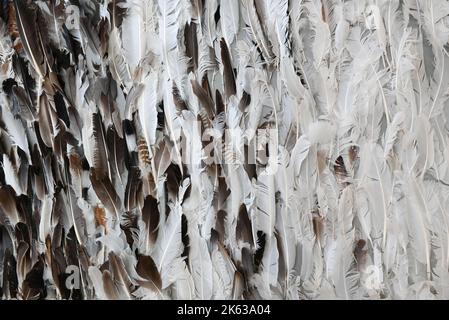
211	149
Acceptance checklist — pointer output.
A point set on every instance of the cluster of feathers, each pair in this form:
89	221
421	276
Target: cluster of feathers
115	160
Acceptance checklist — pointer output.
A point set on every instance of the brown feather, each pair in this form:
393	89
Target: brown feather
205	85
12	28
117	148
132	187
177	99
340	171
101	163
283	267
244	230
33	286
8	206
100	217
146	268
27	110
191	44
26	18
10	281
238	286
47	117
151	217
143	152
105	192
120	274
220	225
204	98
109	286
162	158
76	171
244	101
360	254
228	72
219	102
258	255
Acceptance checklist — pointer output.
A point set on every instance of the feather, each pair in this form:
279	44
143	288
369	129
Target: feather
8	205
120	275
392	132
95	276
106	192
100	152
256	30
228	72
169	245
168	28
265	216
230	17
45	225
238	286
255	149
150	215
26	14
205	100
200	265
109	287
117	149
12	174
190	36
147	109
146	268
244	229
119	68
15	130
33	286
131	191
